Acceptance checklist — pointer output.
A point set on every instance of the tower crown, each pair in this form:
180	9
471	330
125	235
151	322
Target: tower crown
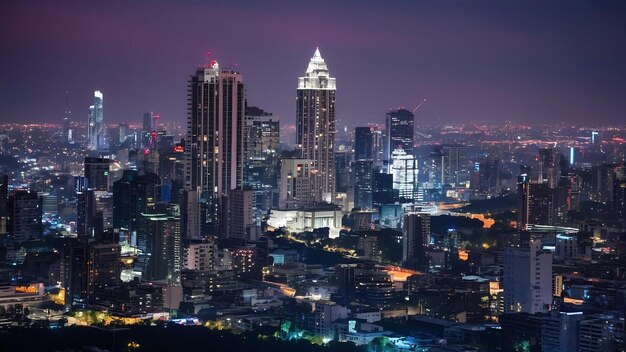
317	75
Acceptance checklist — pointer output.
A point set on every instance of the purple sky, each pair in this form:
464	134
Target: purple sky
502	60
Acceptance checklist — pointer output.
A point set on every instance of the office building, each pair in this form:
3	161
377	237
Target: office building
315	125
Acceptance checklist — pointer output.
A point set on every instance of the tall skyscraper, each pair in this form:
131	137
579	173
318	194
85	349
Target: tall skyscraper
96	129
67	128
363	141
404	171
398	132
214	143
363	183
315	125
527	279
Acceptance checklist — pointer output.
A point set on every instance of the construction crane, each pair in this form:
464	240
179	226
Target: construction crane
419	106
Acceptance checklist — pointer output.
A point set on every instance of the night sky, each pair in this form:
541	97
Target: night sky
473	61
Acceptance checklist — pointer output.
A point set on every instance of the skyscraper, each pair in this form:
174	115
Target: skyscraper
97	173
415	238
534	203
24	215
455	165
96	130
363	183
362	143
399	132
261	148
404	171
315	125
214	143
67	127
159	242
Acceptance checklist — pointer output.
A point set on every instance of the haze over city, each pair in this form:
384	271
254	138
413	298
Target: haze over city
473	61
313	176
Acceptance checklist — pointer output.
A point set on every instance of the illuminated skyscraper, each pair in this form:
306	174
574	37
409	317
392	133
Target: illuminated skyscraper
315	125
214	143
404	171
96	130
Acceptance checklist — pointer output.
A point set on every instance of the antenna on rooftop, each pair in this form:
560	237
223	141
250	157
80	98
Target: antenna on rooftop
419	106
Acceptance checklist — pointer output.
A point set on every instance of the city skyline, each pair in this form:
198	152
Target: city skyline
479	61
409	189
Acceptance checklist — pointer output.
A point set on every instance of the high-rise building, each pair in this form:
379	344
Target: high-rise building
559	332
534	203
4	213
404	171
238	222
261	137
86	267
489	183
146	130
67	127
382	189
527	278
601	333
86	222
315	125
296	183
398	132
97	173
24	215
415	238
159	241
363	183
455	165
96	129
214	143
200	255
363	143
134	195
